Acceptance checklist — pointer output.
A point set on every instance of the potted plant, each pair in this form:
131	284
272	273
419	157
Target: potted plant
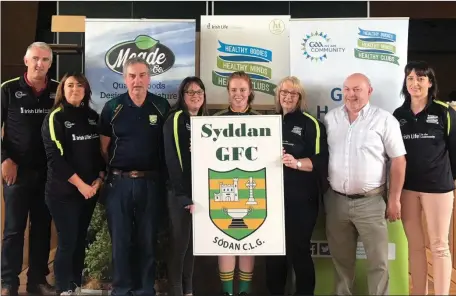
98	261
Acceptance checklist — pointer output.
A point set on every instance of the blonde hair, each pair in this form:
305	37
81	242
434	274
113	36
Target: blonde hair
302	103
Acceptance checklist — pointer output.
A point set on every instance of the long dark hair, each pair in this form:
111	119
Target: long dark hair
183	87
421	69
60	94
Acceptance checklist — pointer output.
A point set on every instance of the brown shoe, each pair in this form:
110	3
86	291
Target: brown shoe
41	289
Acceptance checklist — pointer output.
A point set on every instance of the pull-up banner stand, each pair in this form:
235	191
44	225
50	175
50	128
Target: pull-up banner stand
167	45
322	54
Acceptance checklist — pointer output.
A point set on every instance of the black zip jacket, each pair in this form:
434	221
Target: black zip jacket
229	111
72	144
176	133
22	116
430	141
305	137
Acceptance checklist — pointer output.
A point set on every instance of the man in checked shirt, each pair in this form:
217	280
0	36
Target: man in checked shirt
362	139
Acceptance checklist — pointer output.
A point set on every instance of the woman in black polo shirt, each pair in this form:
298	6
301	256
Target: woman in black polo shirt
305	162
429	131
176	132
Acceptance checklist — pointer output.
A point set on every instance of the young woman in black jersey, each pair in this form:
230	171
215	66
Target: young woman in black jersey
75	174
176	132
240	97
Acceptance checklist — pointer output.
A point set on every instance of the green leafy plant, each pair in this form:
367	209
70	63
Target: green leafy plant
98	260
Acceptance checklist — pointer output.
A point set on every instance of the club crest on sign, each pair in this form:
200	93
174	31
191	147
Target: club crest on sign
237	201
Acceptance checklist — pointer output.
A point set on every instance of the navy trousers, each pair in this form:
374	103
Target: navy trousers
132	212
24	197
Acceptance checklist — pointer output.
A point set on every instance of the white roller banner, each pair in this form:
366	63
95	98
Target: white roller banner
257	45
322	54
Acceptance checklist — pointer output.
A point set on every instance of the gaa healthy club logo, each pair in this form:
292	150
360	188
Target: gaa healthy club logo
159	56
377	46
317	46
254	61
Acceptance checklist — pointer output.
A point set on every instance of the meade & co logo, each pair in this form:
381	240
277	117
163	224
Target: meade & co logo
159	56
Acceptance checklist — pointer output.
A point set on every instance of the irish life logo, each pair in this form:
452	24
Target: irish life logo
377	46
159	56
237	201
317	47
255	61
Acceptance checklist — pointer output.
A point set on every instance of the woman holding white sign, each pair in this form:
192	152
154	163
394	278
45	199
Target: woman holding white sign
176	132
306	165
240	95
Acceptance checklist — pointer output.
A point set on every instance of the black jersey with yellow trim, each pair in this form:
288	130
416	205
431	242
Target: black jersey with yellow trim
430	141
228	111
22	114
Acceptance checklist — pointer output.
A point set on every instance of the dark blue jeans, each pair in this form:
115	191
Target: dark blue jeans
131	208
72	217
24	197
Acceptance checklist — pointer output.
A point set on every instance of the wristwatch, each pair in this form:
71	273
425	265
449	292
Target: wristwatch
298	164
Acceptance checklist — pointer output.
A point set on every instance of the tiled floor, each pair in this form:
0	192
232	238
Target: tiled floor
431	287
205	262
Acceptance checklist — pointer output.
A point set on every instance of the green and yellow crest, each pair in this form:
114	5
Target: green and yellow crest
152	119
237	201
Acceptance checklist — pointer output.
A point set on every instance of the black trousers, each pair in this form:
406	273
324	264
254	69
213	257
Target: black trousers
132	213
181	260
71	217
24	197
300	220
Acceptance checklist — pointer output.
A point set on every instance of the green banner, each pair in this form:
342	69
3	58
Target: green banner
376	45
246	67
377	56
324	268
258	85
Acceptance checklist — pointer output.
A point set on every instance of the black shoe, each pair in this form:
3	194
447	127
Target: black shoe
9	291
41	289
226	294
243	294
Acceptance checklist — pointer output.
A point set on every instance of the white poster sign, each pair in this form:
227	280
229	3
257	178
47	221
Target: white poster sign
257	45
324	52
237	179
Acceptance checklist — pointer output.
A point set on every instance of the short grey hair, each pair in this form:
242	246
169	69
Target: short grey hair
133	61
42	45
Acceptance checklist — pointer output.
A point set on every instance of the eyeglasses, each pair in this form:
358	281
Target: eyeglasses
286	93
192	92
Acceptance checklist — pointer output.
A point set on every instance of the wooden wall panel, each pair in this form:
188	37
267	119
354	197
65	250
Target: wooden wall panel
15	38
